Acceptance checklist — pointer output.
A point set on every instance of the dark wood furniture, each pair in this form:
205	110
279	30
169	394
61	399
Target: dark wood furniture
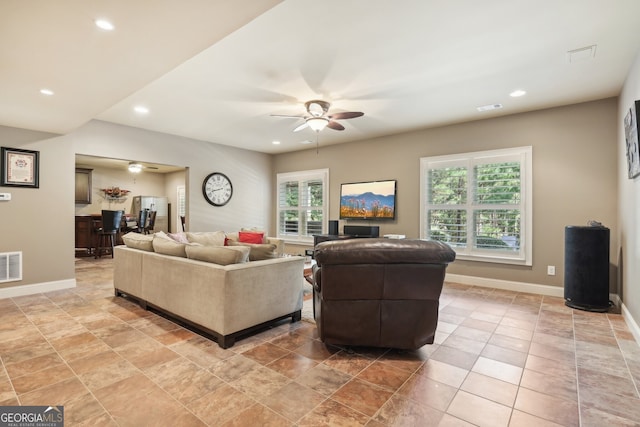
319	238
85	234
83	186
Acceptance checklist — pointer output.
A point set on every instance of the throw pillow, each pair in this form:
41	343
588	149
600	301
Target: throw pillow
179	237
162	234
256	230
218	254
257	251
138	241
168	246
250	237
207	238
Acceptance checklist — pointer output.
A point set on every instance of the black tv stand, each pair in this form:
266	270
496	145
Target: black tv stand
362	230
350	232
319	238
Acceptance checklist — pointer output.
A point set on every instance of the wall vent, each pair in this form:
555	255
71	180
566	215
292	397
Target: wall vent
10	266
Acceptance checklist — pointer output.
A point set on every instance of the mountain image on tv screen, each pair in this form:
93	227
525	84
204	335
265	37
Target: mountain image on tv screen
368	200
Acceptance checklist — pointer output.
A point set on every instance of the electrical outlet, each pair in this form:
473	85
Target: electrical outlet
551	270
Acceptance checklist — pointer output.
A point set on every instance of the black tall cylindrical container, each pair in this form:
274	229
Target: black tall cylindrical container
586	268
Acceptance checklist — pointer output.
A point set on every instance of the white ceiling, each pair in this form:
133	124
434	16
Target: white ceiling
217	70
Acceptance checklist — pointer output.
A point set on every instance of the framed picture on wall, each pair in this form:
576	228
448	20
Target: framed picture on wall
631	136
19	168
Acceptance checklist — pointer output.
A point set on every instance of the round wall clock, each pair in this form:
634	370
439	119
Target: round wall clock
217	189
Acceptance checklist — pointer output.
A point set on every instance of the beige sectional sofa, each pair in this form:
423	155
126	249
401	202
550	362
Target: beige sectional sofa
221	301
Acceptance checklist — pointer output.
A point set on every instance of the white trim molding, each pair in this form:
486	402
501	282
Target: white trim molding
508	285
631	323
36	288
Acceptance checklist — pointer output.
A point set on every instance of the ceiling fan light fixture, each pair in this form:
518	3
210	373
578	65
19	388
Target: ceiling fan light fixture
317	123
135	167
104	24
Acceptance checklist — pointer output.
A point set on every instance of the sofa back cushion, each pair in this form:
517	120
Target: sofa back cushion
207	238
257	251
138	241
168	246
223	255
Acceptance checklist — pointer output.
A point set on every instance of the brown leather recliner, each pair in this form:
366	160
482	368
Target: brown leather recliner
379	292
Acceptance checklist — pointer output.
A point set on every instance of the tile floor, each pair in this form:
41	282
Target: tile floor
500	359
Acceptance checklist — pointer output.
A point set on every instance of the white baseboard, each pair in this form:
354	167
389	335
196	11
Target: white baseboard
534	288
37	288
631	323
508	285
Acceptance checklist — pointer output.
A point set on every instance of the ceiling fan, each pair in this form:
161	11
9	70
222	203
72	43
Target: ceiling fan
317	117
136	167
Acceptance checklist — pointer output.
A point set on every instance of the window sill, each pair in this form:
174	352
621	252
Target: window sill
494	259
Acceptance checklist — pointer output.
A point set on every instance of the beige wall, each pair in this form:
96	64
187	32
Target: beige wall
574	176
34	220
40	222
142	184
629	206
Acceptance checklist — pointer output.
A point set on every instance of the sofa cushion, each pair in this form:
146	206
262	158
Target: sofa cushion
138	241
218	254
250	237
257	251
208	238
168	246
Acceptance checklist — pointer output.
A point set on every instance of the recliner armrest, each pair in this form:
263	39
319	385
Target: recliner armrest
317	278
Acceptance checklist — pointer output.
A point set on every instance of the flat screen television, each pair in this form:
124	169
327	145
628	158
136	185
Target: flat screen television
368	200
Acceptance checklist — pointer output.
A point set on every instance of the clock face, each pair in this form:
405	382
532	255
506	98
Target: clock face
217	189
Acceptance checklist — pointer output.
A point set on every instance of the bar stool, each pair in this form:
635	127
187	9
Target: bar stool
142	220
106	235
151	222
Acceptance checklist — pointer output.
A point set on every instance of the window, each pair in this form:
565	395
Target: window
302	204
479	203
181	207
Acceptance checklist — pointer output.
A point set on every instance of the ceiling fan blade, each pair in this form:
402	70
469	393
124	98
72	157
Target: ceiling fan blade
335	125
300	127
287	116
346	115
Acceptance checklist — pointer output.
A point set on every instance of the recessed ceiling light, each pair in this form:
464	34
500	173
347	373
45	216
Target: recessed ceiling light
141	109
46	91
489	107
275	142
103	24
518	92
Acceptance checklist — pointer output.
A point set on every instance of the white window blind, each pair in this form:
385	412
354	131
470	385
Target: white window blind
182	201
302	204
181	207
480	204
